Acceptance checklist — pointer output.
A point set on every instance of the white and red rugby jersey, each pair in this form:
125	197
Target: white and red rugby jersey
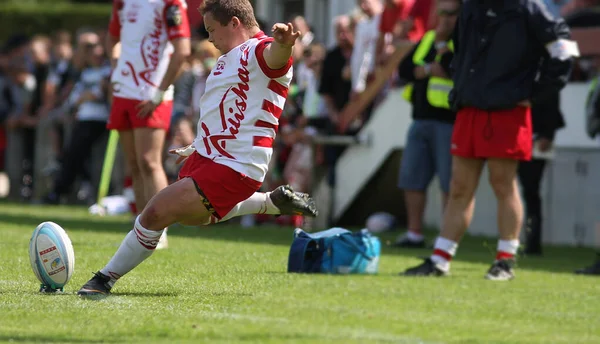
240	109
145	28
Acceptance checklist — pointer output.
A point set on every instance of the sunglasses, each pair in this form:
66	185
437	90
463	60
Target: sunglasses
90	46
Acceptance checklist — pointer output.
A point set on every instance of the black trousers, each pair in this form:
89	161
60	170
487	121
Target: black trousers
85	134
530	175
27	163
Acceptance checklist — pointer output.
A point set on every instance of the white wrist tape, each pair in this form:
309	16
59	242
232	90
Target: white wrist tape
563	49
185	151
158	97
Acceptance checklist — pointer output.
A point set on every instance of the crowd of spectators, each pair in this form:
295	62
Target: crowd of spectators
65	76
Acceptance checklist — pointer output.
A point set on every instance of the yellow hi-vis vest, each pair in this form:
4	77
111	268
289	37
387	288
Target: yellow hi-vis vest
438	89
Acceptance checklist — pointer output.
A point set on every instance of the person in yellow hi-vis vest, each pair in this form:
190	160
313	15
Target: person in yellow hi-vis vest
427	149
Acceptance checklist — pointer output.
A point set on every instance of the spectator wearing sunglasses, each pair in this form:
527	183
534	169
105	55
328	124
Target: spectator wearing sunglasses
427	152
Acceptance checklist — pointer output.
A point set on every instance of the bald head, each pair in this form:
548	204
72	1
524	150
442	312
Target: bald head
344	31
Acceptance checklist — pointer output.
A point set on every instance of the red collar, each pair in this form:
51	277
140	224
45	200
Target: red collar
259	35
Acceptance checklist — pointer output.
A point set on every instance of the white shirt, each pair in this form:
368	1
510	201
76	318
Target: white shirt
240	109
91	80
145	28
362	61
313	105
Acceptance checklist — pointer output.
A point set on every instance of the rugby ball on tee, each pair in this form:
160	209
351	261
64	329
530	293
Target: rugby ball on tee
51	255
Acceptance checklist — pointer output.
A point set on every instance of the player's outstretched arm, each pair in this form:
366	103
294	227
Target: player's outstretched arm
181	52
279	52
182	49
113	48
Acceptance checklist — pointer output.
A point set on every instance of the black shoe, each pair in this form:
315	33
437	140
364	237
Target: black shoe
405	242
501	270
293	203
427	268
96	288
590	270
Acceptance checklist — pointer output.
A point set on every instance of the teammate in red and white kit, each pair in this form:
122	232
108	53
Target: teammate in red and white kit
155	41
225	166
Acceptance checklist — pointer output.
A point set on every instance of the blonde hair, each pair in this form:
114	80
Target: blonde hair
224	10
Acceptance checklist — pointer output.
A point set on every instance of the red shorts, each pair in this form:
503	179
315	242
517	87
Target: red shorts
221	187
123	115
504	134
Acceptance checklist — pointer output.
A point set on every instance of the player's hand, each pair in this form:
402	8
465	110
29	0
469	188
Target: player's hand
183	152
544	144
284	34
438	71
13	122
420	73
29	121
346	116
146	108
524	103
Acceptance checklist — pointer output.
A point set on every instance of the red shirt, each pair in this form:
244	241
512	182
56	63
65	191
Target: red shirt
423	19
393	14
418	10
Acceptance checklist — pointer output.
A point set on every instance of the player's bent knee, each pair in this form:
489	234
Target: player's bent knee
502	182
459	187
147	163
503	187
134	170
155	217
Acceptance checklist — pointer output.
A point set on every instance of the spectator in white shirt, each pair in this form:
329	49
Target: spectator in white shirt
365	42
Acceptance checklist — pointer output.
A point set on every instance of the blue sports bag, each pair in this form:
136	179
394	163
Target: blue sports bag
336	251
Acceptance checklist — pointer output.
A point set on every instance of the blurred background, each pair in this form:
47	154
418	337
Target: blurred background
47	45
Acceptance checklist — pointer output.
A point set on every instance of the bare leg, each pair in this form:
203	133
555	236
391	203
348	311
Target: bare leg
457	217
149	143
415	208
180	202
503	179
129	150
459	210
461	201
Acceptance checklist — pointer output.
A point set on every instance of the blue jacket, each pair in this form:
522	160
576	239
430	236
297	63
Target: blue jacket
501	57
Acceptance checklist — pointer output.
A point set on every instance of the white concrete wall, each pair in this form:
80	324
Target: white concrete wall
571	185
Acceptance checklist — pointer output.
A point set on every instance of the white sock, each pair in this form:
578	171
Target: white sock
135	248
258	203
413	236
507	249
443	252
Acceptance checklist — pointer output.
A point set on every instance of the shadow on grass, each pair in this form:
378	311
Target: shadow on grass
95	224
146	294
472	249
51	339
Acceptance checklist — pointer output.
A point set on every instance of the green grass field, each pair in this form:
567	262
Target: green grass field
227	284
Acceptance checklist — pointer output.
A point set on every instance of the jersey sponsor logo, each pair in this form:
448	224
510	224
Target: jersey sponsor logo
132	12
231	118
219	68
150	49
173	16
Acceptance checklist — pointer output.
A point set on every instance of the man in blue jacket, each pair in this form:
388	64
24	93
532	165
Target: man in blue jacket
507	55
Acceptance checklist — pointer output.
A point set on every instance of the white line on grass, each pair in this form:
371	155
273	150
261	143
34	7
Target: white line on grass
326	333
